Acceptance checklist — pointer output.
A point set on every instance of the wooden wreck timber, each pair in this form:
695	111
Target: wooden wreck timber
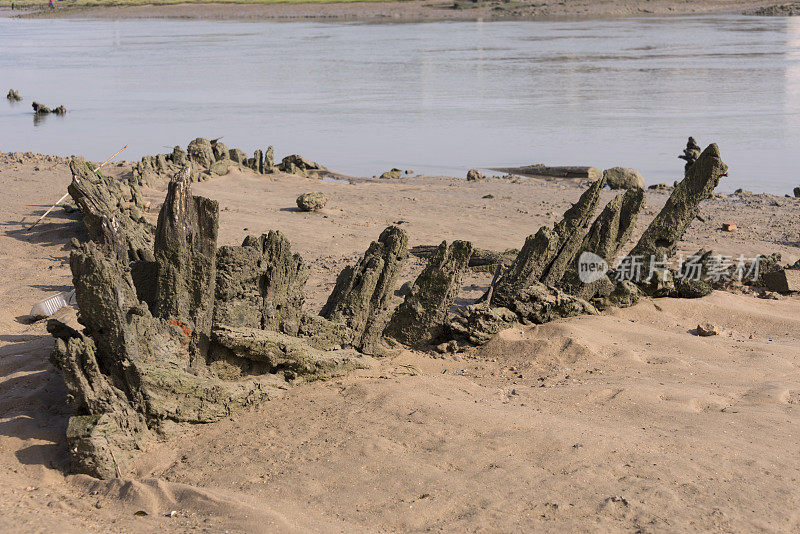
179	331
209	158
539	286
140	369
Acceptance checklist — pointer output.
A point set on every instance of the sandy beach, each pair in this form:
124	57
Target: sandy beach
409	11
624	421
627	420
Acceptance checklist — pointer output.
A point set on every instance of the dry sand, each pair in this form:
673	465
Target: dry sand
415	10
620	422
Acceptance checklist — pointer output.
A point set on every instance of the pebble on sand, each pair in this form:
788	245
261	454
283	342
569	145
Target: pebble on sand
707	329
312	201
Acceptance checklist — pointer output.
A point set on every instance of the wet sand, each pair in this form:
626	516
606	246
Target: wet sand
619	422
414	10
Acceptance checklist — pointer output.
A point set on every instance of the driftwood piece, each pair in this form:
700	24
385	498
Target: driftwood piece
608	233
363	291
480	257
420	319
540	169
112	212
186	253
260	284
129	372
280	352
546	255
662	236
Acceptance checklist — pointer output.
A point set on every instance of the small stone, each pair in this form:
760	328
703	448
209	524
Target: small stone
474	175
729	227
394	173
707	330
623	178
311	201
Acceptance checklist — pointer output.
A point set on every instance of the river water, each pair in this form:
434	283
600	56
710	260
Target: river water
432	97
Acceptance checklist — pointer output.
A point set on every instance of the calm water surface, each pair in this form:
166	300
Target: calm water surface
433	97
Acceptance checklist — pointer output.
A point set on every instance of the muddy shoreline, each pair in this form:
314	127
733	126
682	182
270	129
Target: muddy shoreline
407	11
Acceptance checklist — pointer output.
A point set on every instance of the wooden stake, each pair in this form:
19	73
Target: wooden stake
60	200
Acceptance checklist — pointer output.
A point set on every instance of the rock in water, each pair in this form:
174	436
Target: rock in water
312	201
40	109
420	319
13	95
661	237
109	218
392	174
474	175
201	152
186	252
623	178
260	284
363	291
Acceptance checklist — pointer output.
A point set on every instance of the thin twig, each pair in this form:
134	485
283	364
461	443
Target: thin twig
487	297
60	200
116	465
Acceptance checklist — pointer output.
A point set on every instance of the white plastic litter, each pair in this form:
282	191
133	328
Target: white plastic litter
49	306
